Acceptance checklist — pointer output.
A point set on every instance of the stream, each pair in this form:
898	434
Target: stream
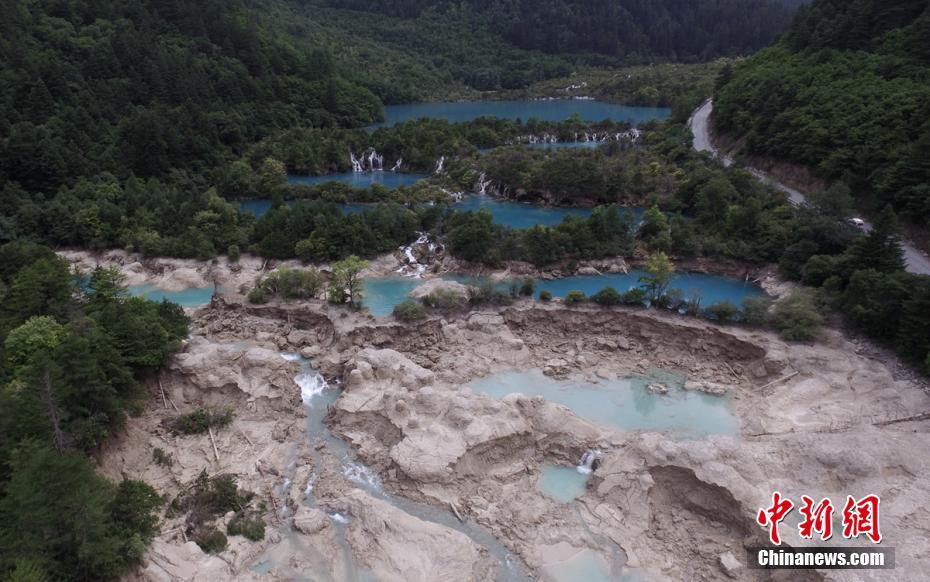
317	396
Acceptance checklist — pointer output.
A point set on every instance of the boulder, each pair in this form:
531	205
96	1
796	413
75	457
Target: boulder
441	285
730	565
310	520
397	546
711	388
657	388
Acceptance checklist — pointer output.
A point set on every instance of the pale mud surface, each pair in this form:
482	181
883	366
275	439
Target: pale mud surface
823	420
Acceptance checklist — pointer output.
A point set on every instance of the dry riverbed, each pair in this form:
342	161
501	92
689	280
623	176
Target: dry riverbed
818	420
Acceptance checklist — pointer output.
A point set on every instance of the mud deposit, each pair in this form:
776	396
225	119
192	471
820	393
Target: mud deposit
399	470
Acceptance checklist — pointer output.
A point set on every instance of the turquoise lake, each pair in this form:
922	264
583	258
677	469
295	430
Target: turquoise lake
191	297
623	404
381	295
506	213
543	110
362	179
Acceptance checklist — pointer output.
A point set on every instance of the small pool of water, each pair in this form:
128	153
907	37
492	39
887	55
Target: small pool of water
564	484
543	110
381	295
624	404
190	297
586	565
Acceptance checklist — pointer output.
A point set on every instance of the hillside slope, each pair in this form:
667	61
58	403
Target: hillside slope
847	92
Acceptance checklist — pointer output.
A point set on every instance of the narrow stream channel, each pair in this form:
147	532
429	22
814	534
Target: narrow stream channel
317	396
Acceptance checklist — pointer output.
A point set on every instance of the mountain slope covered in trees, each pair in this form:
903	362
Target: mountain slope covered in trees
846	91
629	29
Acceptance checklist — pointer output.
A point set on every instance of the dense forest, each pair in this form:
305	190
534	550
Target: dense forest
72	358
630	29
847	92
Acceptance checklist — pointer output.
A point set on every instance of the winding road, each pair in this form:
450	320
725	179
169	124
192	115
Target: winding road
917	261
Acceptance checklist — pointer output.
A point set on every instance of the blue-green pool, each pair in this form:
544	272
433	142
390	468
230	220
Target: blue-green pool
624	404
564	484
191	297
382	294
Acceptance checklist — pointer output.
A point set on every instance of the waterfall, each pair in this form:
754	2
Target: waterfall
587	462
483	184
440	164
412	266
375	161
311	384
397	164
357	164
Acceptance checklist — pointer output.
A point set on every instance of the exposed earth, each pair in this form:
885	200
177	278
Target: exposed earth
823	420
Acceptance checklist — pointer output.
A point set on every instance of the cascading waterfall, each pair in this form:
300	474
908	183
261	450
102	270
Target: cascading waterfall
483	184
375	161
412	266
397	164
357	165
440	164
370	161
586	466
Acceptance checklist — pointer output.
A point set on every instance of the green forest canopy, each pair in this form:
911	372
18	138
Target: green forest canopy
847	92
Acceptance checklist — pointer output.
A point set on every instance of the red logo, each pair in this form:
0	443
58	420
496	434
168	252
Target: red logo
773	515
816	519
859	517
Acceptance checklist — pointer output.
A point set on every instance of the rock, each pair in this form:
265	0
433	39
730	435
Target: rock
711	388
396	546
310	351
730	565
484	321
623	344
442	285
299	338
310	520
657	388
555	367
587	271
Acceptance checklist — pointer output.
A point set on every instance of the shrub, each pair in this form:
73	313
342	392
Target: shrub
607	296
444	299
722	311
162	458
409	310
232	253
202	419
756	311
545	295
249	526
693	303
259	295
797	317
211	540
528	287
575	296
635	296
